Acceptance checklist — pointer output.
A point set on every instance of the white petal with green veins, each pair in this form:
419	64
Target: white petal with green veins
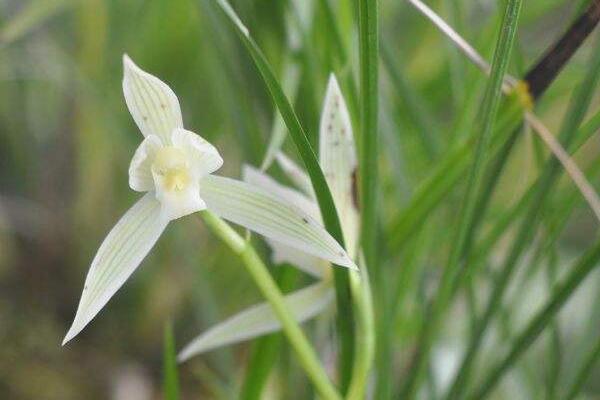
271	216
258	178
151	102
118	257
260	319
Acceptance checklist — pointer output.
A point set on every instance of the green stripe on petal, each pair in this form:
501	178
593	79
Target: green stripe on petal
151	102
119	255
271	216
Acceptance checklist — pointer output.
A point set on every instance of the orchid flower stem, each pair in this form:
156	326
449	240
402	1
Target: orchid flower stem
263	279
365	341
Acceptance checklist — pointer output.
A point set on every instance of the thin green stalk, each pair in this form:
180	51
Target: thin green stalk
584	372
345	318
489	109
554	344
266	349
263	279
365	332
577	110
369	132
584	266
170	376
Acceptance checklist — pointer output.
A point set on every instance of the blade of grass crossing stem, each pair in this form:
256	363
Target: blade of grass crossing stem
487	243
561	294
584	372
170	376
577	109
447	172
266	349
369	78
489	109
345	320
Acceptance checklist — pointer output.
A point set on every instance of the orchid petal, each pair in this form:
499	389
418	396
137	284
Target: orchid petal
151	102
257	178
140	169
119	255
271	216
296	174
260	319
312	265
280	252
205	156
337	157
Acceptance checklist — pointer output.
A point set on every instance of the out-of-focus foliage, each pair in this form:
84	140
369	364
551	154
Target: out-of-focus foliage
66	139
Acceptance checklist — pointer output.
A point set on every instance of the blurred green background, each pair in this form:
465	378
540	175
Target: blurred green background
66	140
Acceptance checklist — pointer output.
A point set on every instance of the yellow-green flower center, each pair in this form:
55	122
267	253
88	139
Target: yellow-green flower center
171	167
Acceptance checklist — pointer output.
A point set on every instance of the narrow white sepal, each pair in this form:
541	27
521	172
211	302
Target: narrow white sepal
280	252
151	102
260	319
337	157
315	266
271	216
258	178
120	254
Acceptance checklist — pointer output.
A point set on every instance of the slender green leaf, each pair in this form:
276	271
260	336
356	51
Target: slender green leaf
369	131
584	266
575	115
467	219
584	372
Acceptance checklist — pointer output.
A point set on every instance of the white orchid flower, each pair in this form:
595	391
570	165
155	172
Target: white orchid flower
337	157
173	166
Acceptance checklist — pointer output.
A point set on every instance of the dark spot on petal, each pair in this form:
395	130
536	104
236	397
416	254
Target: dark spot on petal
355	188
305	220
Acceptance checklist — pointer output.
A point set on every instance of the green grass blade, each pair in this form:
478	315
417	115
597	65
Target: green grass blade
170	375
467	219
345	319
584	372
575	115
445	175
369	131
562	293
